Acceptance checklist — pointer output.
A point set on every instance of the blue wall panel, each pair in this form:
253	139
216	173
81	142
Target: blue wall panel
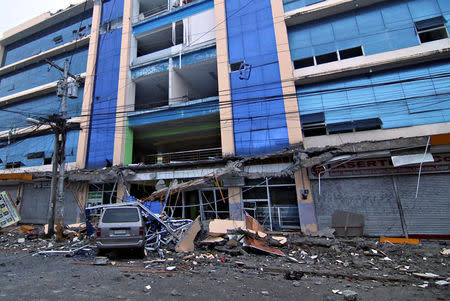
400	97
39	74
43	40
14	115
17	150
103	119
163	65
378	28
195	108
259	118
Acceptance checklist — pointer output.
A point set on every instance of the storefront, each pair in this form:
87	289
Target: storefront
378	190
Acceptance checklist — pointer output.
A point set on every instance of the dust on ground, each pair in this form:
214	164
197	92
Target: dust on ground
314	269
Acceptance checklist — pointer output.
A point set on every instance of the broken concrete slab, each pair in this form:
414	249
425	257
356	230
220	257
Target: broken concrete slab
213	240
445	252
326	232
261	246
220	227
186	243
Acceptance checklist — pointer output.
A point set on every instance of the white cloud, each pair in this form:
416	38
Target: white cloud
15	12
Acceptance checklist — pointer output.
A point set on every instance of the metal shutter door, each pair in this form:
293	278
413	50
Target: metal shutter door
371	196
430	212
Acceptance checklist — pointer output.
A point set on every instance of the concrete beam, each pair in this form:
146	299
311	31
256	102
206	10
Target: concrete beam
83	138
430	51
324	9
42	22
223	77
33	169
377	135
46	54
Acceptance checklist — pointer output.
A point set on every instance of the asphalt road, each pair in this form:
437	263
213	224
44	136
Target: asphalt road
26	277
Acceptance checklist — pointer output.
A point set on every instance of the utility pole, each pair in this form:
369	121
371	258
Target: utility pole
59	126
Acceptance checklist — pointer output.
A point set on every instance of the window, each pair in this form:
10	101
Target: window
58	39
313	124
121	215
357	125
367	124
302	63
236	66
36	155
340	127
14	165
351	52
431	29
329	57
326	58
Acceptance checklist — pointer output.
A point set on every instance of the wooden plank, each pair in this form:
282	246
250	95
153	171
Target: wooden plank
398	240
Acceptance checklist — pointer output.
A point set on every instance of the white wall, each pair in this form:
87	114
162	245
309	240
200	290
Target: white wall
199	28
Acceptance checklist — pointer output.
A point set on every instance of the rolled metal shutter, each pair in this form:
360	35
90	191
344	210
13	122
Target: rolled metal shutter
35	205
373	197
429	214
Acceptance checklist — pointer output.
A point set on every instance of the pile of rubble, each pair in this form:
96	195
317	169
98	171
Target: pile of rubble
34	239
231	237
244	245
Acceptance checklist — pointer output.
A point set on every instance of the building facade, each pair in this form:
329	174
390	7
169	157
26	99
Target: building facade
328	105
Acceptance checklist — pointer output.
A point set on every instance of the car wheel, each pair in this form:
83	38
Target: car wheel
101	252
140	252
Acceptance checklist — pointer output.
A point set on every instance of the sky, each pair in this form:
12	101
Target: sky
15	12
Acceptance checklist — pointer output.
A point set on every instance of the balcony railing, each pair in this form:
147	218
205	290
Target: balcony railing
185	156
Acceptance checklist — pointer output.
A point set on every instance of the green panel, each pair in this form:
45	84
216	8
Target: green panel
128	158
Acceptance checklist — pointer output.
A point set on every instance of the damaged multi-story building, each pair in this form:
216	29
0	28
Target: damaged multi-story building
289	110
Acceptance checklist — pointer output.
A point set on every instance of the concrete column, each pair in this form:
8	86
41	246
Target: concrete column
223	78
286	73
178	87
235	203
136	8
121	192
2	52
83	139
306	208
125	101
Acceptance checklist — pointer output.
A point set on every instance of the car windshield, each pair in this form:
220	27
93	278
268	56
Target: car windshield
121	215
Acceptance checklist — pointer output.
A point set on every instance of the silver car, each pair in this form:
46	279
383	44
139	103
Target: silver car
121	227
